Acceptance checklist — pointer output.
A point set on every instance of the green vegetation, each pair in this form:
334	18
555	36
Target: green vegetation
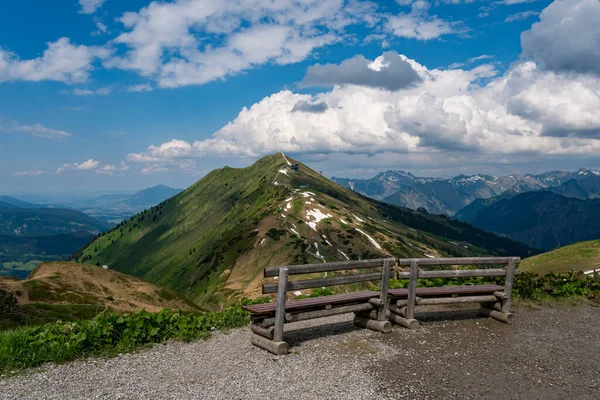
537	287
19	255
70	291
583	256
46	221
110	333
35	314
212	241
107	334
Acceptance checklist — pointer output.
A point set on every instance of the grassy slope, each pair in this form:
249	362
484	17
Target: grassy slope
71	284
583	256
212	241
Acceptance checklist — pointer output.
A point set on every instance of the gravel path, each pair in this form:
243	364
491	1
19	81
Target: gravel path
547	354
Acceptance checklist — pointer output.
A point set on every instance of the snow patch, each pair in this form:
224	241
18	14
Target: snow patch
294	232
307	202
286	160
428	255
276	183
289	205
343	222
283	171
373	242
358	218
308	194
290	199
297	293
262	241
344	254
317	215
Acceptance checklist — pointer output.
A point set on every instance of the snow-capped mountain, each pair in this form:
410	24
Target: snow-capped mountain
447	196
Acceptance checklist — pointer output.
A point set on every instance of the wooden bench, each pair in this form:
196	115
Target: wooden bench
495	300
268	319
376	310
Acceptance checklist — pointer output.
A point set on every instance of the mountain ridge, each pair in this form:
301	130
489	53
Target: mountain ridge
212	241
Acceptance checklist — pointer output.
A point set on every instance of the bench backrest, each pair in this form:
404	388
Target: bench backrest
510	264
509	271
384	263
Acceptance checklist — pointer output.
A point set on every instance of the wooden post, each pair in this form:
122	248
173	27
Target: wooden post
508	285
380	326
277	348
280	310
264	332
505	317
412	289
385	282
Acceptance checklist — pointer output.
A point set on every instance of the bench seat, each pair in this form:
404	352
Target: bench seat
313	302
447	290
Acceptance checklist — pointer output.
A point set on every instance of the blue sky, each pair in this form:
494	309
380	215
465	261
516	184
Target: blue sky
107	95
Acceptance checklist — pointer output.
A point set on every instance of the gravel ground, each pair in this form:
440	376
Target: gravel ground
546	354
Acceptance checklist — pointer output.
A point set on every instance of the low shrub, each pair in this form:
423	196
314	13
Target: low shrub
108	334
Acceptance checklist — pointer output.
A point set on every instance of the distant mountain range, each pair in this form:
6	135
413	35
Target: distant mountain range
541	219
448	196
113	208
11	202
31	233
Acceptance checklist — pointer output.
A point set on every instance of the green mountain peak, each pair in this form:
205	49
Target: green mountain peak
212	241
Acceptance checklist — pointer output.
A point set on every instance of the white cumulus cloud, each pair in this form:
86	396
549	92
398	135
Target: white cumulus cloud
61	61
566	37
90	6
109	169
527	110
187	42
84	166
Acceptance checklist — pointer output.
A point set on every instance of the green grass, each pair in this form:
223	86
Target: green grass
107	334
582	256
188	241
110	333
35	314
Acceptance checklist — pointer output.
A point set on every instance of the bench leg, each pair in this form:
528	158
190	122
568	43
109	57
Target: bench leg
374	325
398	316
264	332
277	348
495	311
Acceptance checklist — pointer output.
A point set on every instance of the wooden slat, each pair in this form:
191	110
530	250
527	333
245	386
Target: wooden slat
313	302
326	267
448	290
511	271
280	308
455	273
458	261
313	283
412	289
